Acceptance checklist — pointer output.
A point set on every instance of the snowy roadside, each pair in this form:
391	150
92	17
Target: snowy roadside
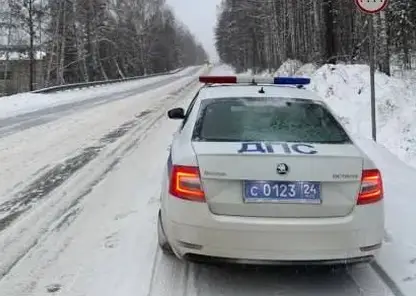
346	88
29	102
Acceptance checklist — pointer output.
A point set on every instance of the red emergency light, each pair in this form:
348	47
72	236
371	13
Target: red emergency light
218	79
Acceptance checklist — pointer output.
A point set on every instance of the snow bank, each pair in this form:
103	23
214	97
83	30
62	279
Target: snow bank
346	88
289	68
307	70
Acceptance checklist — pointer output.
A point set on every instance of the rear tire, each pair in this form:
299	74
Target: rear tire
161	237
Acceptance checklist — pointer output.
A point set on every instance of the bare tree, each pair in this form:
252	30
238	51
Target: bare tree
88	40
262	34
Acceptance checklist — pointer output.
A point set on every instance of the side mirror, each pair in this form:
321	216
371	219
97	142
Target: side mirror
176	113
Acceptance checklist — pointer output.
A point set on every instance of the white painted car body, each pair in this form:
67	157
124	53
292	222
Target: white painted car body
224	225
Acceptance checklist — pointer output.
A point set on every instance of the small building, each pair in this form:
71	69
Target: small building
15	72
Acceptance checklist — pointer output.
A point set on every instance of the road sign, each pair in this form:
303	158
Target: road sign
371	6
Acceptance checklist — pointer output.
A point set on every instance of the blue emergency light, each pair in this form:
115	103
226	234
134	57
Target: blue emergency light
292	80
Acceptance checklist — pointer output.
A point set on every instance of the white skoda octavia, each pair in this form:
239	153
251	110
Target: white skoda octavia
261	171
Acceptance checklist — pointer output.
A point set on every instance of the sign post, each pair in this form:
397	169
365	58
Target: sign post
372	7
372	79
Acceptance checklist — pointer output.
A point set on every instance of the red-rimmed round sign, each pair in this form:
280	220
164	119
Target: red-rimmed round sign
371	6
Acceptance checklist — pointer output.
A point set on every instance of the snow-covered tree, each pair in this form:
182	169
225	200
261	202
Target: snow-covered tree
88	40
262	34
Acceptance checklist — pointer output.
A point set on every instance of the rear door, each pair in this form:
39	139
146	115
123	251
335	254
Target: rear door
275	157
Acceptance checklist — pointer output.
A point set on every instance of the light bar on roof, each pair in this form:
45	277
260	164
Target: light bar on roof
254	79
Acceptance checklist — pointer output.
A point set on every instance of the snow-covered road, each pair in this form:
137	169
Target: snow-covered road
62	104
68	127
38	162
83	220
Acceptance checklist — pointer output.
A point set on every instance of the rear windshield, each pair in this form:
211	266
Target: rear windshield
267	119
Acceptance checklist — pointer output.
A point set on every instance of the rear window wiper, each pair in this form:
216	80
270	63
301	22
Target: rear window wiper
334	142
218	140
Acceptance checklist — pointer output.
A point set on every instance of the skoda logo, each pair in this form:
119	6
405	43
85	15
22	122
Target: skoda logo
282	169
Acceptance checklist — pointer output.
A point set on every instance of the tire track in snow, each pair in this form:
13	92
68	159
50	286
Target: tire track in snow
63	215
42	186
53	178
149	119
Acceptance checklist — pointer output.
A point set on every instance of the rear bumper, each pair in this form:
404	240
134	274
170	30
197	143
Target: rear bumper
211	259
195	233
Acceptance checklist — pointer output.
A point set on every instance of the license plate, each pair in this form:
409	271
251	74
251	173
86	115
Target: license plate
282	192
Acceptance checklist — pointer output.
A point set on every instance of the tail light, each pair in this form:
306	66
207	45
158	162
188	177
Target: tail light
371	187
185	183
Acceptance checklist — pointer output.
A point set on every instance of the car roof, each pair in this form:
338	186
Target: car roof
249	90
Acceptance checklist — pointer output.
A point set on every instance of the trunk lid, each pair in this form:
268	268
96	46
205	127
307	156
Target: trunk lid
322	180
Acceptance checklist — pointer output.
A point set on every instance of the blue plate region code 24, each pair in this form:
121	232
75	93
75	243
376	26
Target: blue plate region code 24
282	191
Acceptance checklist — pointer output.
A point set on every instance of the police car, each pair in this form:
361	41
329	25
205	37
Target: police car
262	171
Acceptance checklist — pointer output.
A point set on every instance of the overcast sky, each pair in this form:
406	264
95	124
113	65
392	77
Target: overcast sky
200	17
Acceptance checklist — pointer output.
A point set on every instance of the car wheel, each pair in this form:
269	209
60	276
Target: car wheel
162	240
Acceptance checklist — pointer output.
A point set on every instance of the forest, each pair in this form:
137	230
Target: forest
90	40
261	35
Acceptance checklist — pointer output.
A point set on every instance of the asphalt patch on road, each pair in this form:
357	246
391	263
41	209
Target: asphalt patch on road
57	175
